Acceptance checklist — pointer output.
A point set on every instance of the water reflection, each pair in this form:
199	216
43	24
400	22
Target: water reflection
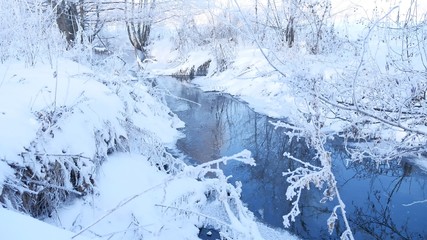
377	199
218	125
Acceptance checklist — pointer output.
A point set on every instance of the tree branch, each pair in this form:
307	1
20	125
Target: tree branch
356	109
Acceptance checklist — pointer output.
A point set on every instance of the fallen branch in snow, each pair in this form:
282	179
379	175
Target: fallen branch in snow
56	155
48	185
53	186
20	188
121	204
196	213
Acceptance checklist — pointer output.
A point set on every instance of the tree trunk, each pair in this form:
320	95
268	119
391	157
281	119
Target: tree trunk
138	25
290	33
67	19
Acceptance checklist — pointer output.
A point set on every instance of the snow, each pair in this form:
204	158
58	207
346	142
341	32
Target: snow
248	78
121	177
28	91
16	226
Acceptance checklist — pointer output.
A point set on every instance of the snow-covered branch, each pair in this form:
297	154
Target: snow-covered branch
368	114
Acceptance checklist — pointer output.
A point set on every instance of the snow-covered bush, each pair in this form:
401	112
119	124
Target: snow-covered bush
218	30
305	25
156	205
216	204
28	31
46	164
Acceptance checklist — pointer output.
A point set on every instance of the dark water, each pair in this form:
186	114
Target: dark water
218	125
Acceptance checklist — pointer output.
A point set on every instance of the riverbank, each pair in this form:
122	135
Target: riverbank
89	141
297	85
217	124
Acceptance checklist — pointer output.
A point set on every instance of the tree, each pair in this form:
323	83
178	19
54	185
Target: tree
67	19
80	20
302	20
28	30
139	20
379	101
317	14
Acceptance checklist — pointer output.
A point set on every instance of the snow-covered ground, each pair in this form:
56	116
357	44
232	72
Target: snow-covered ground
16	226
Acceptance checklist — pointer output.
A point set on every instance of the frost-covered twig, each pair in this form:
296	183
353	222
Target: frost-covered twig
243	156
347	234
180	98
53	186
196	213
305	164
394	124
362	60
263	52
301	177
57	155
286	125
413	203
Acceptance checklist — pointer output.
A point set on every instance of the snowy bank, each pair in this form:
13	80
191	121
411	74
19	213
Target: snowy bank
16	226
60	123
85	150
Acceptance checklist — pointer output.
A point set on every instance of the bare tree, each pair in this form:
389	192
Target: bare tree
139	20
303	20
82	20
382	109
290	28
317	14
90	20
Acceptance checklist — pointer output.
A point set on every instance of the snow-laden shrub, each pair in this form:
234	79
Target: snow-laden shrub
217	31
150	204
28	31
217	203
74	123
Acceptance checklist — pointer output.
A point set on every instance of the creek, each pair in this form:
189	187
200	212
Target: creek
376	198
